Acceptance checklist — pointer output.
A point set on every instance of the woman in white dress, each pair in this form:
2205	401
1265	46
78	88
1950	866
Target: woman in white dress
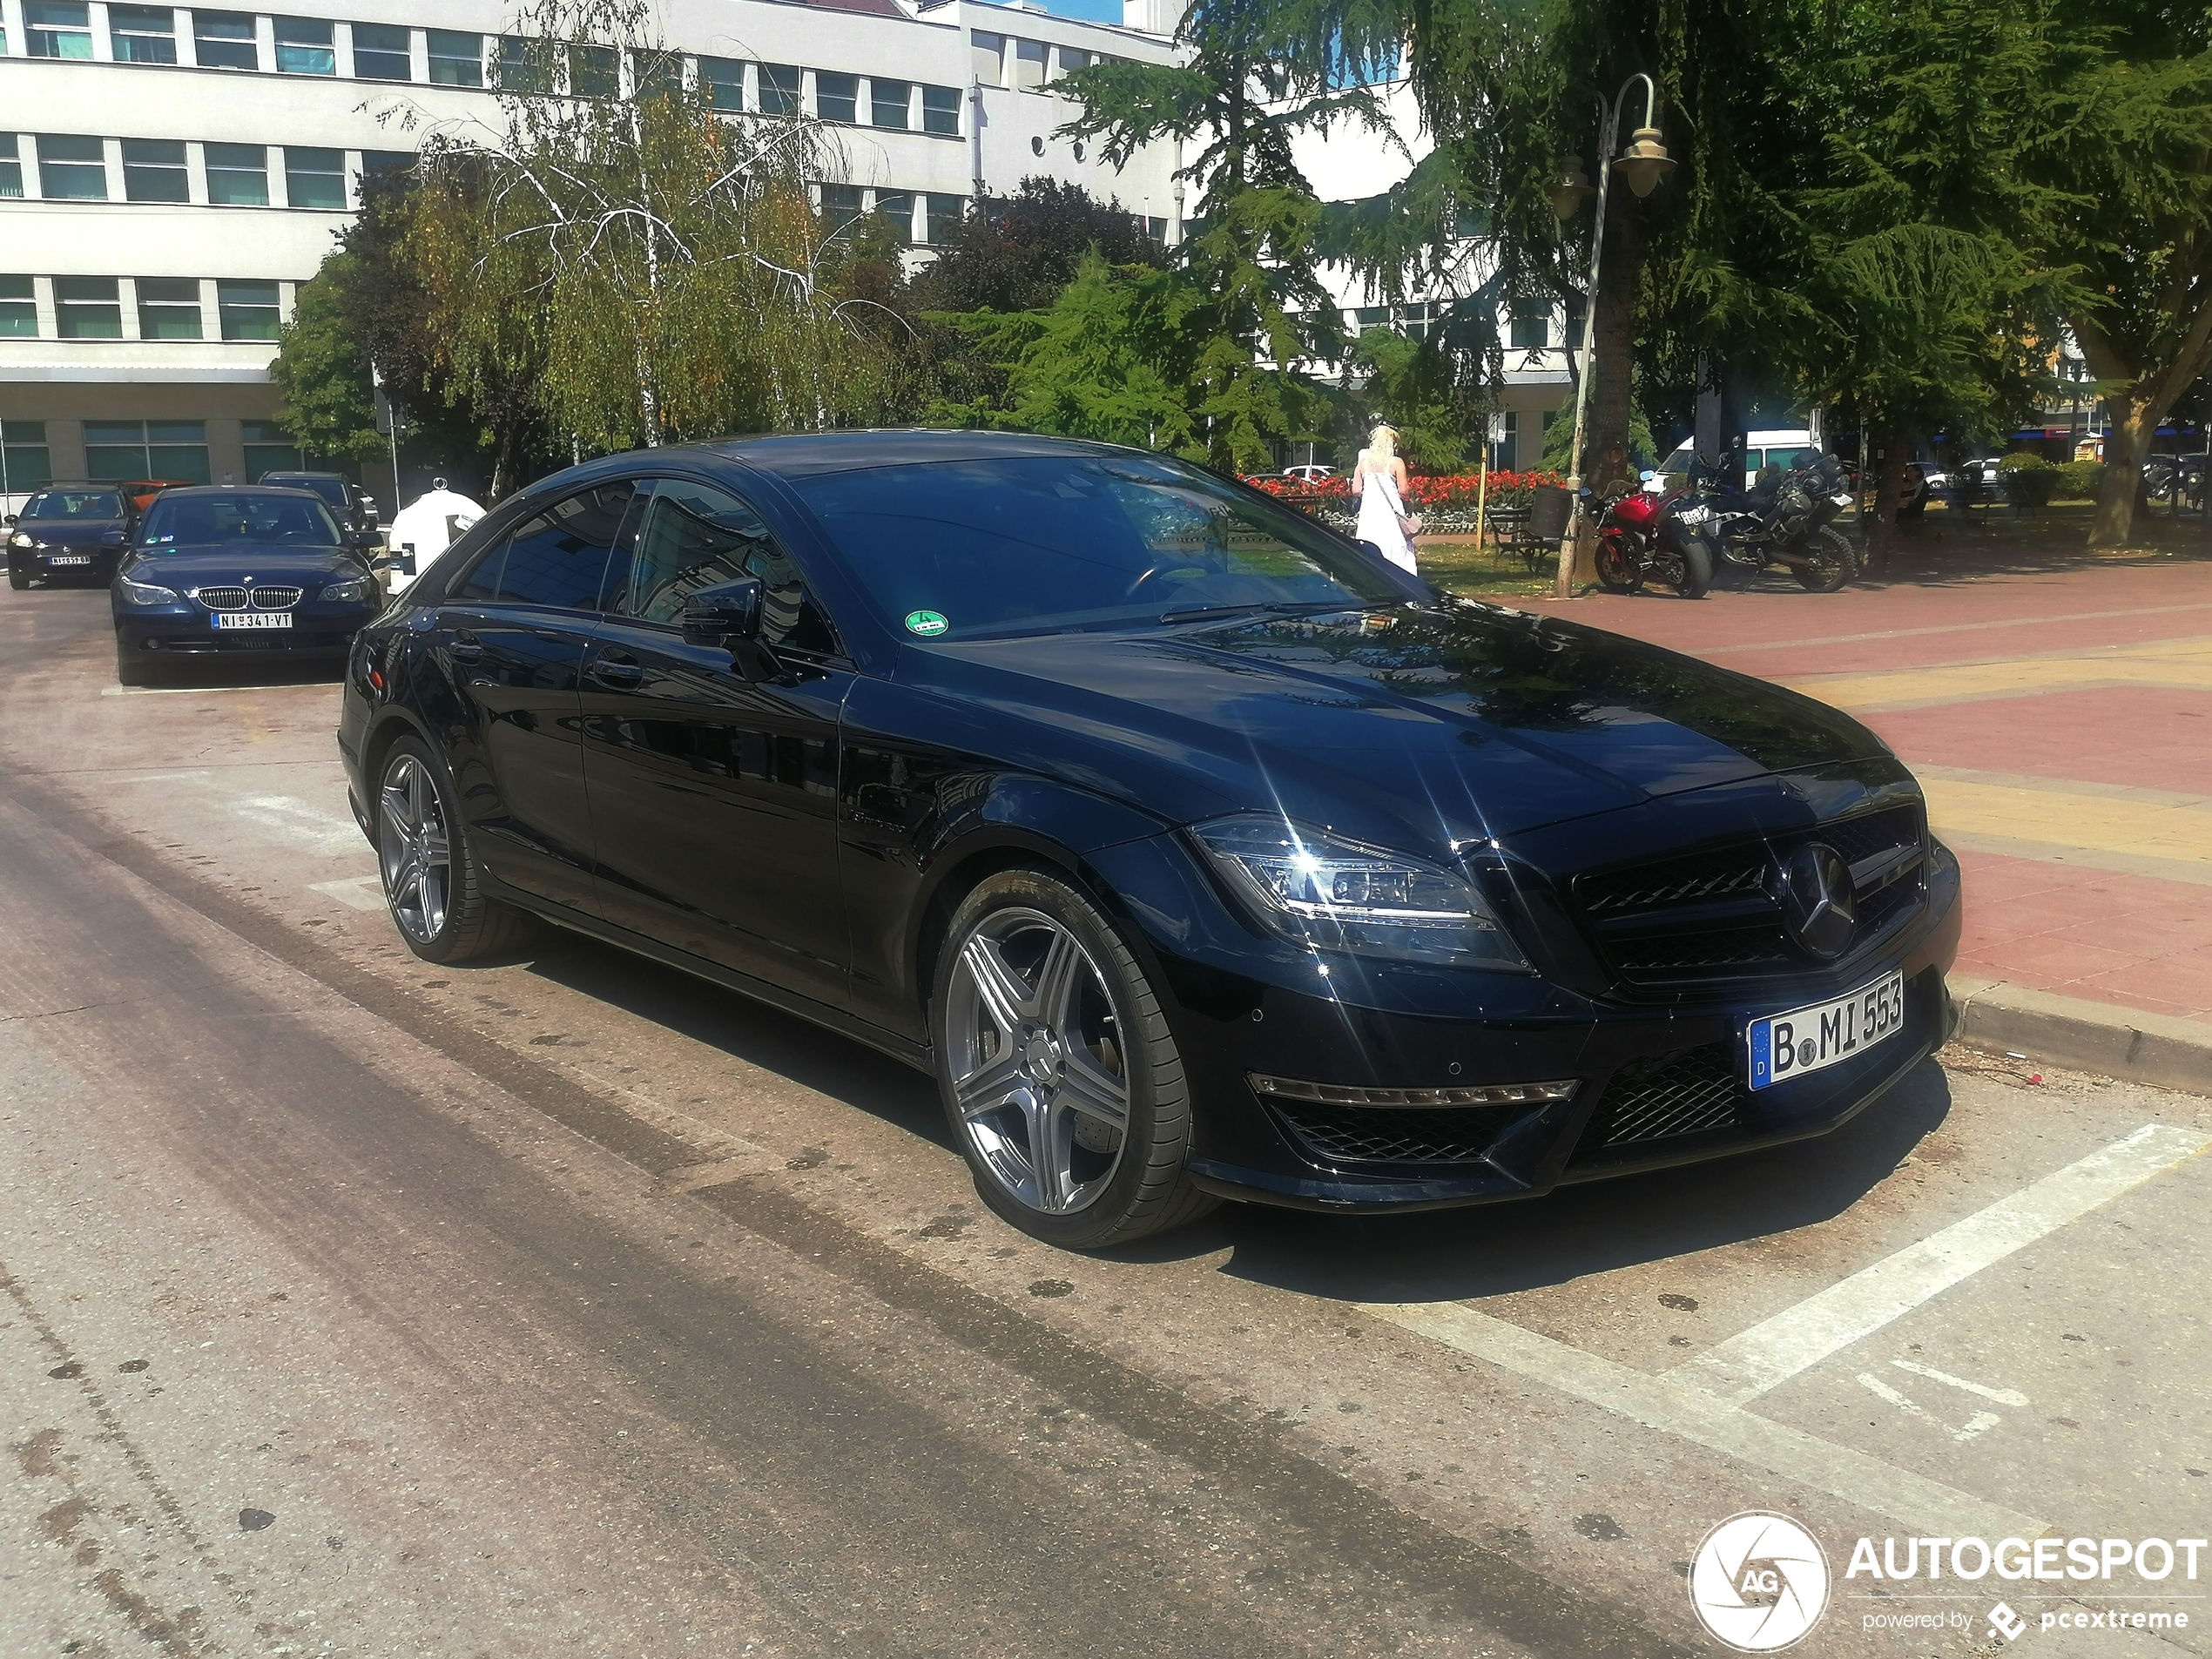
1379	481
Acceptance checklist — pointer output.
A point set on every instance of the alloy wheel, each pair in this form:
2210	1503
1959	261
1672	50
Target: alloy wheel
415	848
1037	1060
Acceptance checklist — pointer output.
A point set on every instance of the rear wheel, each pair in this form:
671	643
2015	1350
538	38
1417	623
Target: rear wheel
1616	573
432	884
1832	563
1058	1073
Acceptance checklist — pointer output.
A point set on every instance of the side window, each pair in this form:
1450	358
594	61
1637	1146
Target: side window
696	537
558	558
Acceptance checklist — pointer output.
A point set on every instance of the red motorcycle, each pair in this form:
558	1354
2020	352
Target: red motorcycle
1644	536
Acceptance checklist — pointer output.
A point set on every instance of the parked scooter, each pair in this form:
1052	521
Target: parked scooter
1789	523
1643	536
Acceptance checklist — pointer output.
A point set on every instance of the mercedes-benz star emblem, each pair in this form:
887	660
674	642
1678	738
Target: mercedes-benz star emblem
1818	904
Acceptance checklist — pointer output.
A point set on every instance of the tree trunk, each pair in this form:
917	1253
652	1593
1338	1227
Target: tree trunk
1613	337
2134	422
1889	492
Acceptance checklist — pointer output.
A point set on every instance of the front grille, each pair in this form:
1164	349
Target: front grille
1336	1135
1710	918
1671	1094
270	598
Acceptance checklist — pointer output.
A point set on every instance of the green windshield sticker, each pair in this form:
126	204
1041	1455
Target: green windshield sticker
926	623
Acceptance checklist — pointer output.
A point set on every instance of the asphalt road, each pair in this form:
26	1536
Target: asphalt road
357	1307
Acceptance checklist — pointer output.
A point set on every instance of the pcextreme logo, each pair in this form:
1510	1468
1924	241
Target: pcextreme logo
1759	1582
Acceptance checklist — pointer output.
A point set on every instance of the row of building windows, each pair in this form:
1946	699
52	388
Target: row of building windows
455	57
122	451
914	215
97	307
77	168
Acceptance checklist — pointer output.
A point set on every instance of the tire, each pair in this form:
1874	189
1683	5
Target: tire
1833	563
1048	1040
1614	573
18	578
131	669
1694	572
432	884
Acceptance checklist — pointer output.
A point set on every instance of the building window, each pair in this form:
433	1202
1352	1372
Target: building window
841	206
10	166
306	46
142	34
943	220
1072	59
1505	449
116	451
940	110
169	308
524	65
19	308
837	97
1028	63
237	175
58	28
1532	325
381	53
153	171
984	59
268	448
71	169
385	169
724	78
456	59
315	179
594	72
87	308
225	40
248	310
896	209
888	102
25	465
779	89
656	74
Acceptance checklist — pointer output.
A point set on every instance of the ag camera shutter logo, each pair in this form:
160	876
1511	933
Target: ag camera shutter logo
1759	1582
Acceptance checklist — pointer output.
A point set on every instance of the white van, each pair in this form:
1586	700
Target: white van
1783	447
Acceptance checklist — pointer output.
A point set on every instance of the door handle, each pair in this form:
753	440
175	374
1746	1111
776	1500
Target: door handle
618	673
465	647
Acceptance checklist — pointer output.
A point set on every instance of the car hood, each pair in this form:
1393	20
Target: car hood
66	532
1416	725
243	561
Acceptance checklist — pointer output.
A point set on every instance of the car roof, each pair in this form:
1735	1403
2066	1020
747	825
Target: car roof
294	472
802	455
189	491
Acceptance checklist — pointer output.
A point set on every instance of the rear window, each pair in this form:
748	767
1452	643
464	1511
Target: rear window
246	515
74	503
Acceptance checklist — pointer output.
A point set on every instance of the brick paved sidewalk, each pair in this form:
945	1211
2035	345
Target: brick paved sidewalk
2061	721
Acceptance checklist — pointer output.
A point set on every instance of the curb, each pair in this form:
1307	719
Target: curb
2131	1044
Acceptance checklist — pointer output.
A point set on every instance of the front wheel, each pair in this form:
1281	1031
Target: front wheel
1693	568
1616	573
18	578
1832	562
432	885
1059	1075
131	669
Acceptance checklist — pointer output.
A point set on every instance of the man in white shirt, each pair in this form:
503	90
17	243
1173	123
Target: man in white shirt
425	527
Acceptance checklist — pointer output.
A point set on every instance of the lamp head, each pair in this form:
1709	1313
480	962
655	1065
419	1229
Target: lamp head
1570	188
1645	162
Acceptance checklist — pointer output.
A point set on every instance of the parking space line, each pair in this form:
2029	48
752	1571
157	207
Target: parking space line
1927	1507
2002	1396
354	892
1770	1353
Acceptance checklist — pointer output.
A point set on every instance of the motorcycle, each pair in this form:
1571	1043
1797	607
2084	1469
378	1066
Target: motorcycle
1787	522
1644	536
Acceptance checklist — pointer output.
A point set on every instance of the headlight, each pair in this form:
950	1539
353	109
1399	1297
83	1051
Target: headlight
144	593
21	539
358	590
1327	894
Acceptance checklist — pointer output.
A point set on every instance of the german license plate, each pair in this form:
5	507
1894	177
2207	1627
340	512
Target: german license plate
228	619
69	558
1788	1046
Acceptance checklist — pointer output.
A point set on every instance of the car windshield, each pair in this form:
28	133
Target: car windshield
74	503
243	516
331	489
1038	544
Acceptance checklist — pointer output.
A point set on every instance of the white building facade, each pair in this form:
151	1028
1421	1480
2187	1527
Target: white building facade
173	174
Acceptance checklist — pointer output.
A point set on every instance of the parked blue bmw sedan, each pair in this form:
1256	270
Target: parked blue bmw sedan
218	569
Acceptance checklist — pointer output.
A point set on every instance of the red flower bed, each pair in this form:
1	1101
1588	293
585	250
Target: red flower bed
1459	490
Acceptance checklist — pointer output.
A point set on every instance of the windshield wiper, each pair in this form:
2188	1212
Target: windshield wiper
1200	613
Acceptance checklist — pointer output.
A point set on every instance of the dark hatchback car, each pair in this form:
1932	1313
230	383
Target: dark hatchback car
1195	853
72	531
220	570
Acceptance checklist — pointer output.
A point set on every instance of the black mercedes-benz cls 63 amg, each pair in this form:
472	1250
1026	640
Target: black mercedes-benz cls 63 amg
1197	852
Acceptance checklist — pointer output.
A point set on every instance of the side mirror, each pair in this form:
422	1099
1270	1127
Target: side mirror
11	519
363	540
113	538
716	616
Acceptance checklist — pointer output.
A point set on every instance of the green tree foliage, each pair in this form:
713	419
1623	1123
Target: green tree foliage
1018	253
326	398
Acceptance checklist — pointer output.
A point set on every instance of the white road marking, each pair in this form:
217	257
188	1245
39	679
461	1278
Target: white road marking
1881	1390
2002	1396
300	822
355	891
1673	1407
1770	1352
1976	1425
212	690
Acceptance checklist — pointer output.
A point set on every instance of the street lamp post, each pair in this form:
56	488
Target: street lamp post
1643	164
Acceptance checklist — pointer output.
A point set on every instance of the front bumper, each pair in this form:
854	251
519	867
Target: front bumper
95	564
1658	1084
189	630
